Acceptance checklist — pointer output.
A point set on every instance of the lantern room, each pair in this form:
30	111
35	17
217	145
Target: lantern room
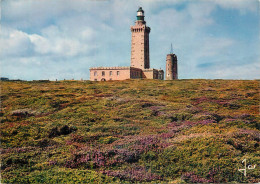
140	14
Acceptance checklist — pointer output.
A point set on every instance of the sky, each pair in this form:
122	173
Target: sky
62	39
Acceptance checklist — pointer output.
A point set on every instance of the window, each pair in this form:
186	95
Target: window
95	73
110	79
117	73
110	73
95	79
103	73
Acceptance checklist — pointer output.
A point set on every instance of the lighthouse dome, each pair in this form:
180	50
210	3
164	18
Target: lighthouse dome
140	10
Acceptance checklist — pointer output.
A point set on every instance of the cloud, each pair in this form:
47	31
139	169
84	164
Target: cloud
213	46
241	5
14	43
200	12
237	72
53	41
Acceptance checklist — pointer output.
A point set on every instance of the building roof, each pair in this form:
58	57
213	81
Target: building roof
140	10
110	68
151	69
122	68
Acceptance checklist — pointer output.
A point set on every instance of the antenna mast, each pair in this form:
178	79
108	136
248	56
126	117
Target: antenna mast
171	49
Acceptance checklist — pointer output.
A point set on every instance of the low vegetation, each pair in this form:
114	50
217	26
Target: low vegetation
183	131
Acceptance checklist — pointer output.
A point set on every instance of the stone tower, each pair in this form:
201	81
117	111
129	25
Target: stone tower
140	42
171	67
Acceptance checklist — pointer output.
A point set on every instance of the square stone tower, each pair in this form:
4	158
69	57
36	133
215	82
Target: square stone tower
140	42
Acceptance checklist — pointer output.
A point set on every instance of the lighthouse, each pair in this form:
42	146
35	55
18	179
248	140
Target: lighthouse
140	42
140	58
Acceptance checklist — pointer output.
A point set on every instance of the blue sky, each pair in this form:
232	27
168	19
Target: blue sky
61	39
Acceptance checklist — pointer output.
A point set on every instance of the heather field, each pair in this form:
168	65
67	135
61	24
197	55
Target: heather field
133	131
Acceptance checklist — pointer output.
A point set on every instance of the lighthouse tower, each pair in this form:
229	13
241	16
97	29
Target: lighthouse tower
140	42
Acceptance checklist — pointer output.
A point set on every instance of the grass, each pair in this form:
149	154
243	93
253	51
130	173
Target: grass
129	131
